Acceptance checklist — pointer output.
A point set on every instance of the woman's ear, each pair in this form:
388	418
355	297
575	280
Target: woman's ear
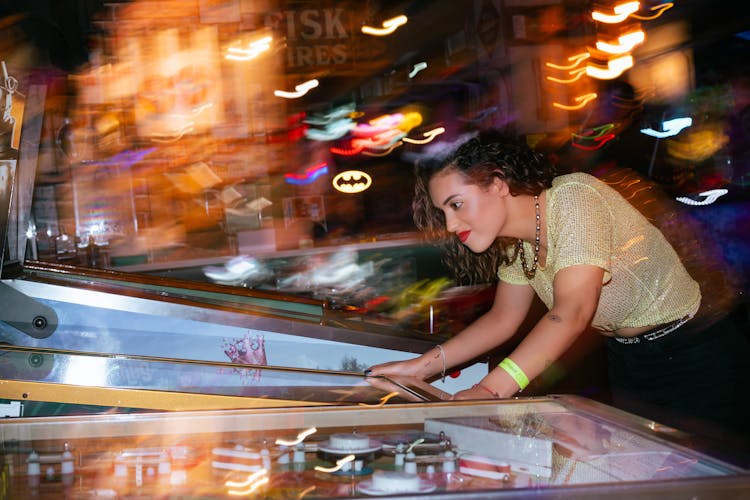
500	186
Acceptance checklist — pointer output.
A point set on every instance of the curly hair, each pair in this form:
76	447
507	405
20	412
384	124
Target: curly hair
489	155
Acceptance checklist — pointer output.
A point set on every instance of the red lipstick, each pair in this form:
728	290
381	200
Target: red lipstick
463	236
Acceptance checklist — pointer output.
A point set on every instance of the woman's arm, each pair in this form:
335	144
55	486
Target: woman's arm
576	296
509	309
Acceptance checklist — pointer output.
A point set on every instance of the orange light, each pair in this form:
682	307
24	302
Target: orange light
660	10
615	67
576	60
582	101
577	72
621	12
625	43
389	26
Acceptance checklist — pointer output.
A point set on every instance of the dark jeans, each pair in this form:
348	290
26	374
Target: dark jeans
693	379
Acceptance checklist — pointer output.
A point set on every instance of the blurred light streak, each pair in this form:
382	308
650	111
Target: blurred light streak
595	132
247	482
300	90
253	50
661	8
411	120
669	128
346	152
304	492
176	136
383	400
621	12
310	175
260	482
382	141
429	136
576	60
334	115
625	43
578	72
582	101
378	125
334	130
389	26
417	68
698	146
601	141
615	67
711	196
300	437
383	153
339	464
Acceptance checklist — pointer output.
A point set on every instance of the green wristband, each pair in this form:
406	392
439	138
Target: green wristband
515	372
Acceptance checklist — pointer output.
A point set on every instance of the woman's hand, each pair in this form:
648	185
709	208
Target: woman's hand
478	391
409	368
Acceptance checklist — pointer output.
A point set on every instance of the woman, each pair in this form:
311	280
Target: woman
594	261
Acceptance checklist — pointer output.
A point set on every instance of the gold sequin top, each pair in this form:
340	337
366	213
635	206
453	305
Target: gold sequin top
588	222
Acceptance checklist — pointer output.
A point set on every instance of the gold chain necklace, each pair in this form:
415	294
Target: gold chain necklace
531	272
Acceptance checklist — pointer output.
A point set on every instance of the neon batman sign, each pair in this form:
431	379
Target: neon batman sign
352	181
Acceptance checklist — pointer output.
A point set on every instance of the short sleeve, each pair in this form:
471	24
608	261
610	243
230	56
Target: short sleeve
582	228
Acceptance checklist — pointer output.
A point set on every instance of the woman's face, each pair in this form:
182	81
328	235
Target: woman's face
474	213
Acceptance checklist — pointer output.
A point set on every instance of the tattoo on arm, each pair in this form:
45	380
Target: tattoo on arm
555	318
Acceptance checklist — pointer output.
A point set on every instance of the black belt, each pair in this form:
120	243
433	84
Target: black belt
656	334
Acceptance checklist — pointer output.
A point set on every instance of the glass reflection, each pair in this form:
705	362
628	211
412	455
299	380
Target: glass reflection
154	374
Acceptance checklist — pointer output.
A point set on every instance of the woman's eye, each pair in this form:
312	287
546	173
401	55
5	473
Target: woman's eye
456	205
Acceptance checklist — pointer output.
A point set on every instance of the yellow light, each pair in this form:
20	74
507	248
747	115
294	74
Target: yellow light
389	26
300	89
429	136
339	464
577	72
251	489
582	100
576	60
247	482
383	400
625	43
615	67
302	435
661	8
621	11
253	50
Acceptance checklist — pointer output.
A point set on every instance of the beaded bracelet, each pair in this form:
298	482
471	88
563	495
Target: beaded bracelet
515	372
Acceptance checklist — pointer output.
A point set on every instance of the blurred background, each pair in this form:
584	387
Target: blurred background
270	144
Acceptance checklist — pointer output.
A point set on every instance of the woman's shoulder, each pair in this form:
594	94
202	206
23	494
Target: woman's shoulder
576	184
576	178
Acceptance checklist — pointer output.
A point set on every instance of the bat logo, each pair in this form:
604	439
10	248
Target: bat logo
352	181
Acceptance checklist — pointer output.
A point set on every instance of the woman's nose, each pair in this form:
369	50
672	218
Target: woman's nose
450	223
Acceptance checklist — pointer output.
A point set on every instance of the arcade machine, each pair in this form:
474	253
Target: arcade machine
52	309
122	386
